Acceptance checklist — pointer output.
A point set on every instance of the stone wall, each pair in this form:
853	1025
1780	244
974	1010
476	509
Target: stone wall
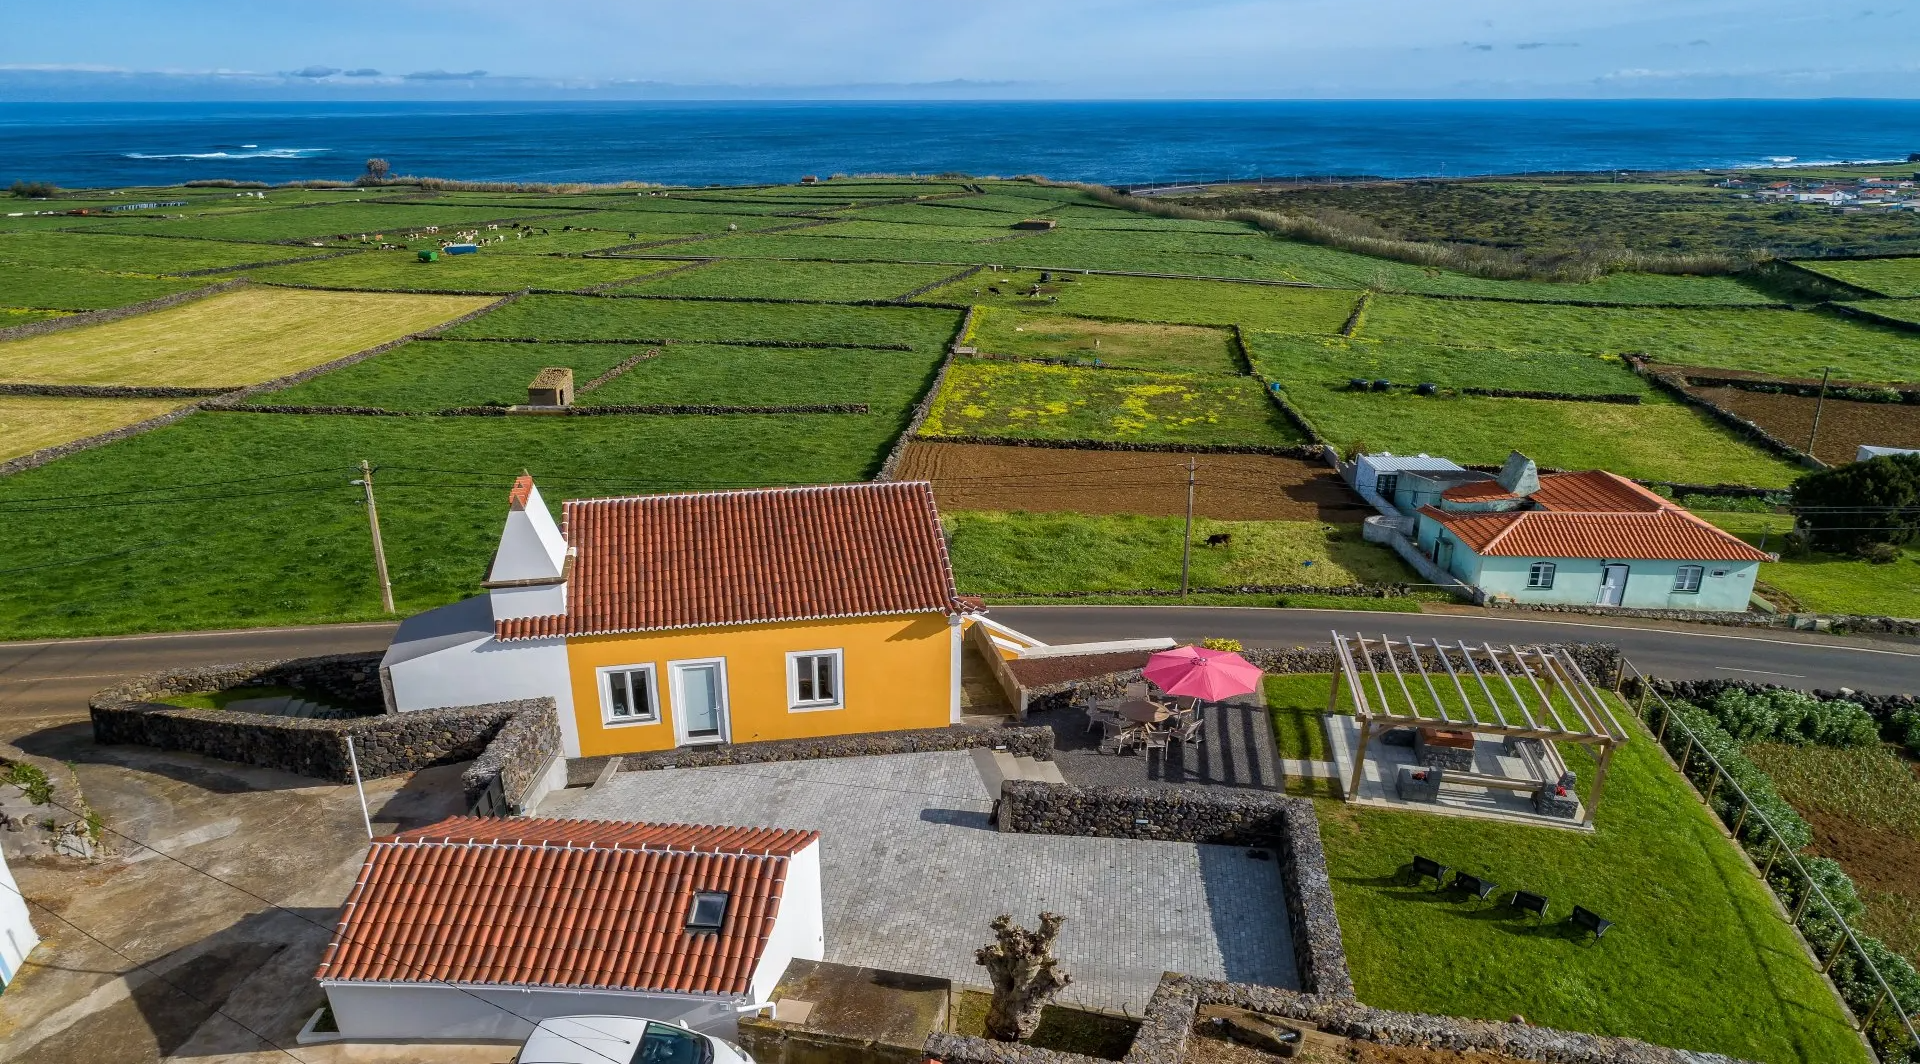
1165	1031
1836	622
1036	743
509	741
101	317
1169	814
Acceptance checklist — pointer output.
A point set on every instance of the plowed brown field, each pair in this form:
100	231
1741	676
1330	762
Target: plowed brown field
1845	424
1230	487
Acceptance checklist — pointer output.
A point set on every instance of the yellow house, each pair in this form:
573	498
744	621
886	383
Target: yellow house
717	617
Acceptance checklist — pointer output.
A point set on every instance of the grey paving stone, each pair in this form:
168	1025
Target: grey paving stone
913	873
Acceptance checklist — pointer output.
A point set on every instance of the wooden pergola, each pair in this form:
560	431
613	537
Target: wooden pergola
1384	675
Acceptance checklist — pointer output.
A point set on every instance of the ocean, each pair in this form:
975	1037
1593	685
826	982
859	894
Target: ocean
83	145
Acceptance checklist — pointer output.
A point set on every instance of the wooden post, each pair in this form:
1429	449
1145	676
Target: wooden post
1875	1010
1819	404
379	548
1772	854
1599	783
1745	807
1186	552
1686	754
1333	697
1360	758
1801	905
1713	784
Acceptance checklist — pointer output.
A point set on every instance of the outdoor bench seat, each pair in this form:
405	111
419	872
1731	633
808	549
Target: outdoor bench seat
1528	901
1587	920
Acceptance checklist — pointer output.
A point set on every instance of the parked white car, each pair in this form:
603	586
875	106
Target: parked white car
623	1040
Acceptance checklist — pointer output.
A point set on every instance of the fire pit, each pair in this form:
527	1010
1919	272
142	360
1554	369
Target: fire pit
1444	748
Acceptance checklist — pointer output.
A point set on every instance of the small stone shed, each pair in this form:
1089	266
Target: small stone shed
552	386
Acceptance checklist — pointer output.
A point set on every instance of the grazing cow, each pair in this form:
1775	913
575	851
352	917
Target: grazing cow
1220	539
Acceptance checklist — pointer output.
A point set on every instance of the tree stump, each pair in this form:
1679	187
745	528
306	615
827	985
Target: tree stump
1025	975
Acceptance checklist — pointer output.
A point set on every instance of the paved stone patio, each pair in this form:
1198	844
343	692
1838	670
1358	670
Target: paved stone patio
1236	751
913	873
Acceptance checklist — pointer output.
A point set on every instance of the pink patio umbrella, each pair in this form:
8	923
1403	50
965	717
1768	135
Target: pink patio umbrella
1197	672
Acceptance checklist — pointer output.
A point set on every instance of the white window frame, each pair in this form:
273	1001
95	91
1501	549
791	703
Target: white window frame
1679	582
603	677
680	736
839	701
1536	570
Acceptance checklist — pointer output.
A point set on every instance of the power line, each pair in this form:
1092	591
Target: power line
175	487
165	502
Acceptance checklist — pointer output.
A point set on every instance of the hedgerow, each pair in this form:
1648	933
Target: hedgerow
1792	717
1791	827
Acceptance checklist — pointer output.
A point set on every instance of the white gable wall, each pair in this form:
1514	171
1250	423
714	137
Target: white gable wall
17	936
484	670
531	547
799	928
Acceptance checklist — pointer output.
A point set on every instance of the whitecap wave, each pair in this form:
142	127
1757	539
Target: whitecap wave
264	153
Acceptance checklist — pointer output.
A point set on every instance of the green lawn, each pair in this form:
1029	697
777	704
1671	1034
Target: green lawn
1656	440
1698	957
280	535
1251	306
1334	360
587	318
268	222
1133	345
482	271
1002	554
435	375
794	280
1830	583
1889	277
1897	309
982	397
1784	342
1296	702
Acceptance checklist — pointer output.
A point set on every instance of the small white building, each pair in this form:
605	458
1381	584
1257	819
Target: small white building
1868	452
478	928
17	936
450	656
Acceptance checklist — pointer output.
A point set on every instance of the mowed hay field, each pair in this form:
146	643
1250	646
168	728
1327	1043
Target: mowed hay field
29	423
1230	487
238	337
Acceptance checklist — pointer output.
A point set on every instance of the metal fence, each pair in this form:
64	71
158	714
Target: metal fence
1884	1018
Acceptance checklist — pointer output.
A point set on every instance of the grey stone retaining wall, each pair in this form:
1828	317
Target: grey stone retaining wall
921	409
1838	622
101	317
1191	815
1036	743
115	391
955	278
511	741
1335	590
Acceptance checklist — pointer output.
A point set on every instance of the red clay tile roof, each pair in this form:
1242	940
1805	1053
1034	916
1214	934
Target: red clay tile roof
1591	491
1664	535
744	557
522	490
568	903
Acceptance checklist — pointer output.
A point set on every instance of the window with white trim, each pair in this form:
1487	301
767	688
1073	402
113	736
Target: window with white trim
1540	575
1687	578
813	680
628	695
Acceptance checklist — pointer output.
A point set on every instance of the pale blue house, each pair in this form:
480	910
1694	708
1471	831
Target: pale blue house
1583	539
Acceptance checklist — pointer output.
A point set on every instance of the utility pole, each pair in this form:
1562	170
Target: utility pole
1186	554
1817	406
379	549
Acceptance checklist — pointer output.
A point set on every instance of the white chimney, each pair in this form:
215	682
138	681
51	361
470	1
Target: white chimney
530	567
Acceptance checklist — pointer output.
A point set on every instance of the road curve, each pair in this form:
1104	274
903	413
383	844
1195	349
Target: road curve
1884	668
47	681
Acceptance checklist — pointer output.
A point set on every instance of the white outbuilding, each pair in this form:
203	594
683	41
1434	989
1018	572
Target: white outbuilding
478	928
17	936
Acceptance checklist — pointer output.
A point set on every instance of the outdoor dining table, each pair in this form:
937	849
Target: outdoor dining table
1143	711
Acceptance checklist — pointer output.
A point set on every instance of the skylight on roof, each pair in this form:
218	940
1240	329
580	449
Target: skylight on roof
709	910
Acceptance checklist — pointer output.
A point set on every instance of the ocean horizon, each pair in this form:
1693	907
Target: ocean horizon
1117	142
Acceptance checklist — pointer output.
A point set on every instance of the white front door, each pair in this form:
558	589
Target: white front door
699	700
1613	585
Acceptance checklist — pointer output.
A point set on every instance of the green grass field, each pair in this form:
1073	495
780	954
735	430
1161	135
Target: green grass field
1131	345
435	375
482	271
1333	360
1889	277
1829	583
277	535
1697	957
1251	306
1657	440
584	318
1784	342
108	253
888	381
52	288
1907	310
1003	554
31	422
270	223
994	398
793	280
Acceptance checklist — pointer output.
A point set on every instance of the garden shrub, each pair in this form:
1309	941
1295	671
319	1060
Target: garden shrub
1852	506
1792	717
1906	730
31	781
1792	828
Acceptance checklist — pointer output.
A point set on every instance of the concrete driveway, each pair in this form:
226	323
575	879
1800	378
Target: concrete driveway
198	938
913	873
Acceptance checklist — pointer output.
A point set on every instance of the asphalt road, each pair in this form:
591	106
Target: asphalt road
1693	653
50	681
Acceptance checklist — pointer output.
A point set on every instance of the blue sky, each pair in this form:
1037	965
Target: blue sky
507	49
